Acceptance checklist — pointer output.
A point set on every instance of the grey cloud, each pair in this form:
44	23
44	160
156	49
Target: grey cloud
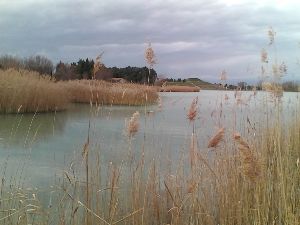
189	37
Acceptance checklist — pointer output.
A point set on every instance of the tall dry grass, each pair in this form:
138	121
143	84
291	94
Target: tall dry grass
248	181
25	91
106	93
240	180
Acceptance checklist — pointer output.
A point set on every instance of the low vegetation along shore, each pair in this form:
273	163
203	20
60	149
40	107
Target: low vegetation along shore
27	91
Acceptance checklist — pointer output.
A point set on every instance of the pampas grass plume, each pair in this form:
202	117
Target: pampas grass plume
192	113
132	125
216	139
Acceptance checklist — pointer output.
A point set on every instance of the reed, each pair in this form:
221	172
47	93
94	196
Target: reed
106	93
249	180
25	91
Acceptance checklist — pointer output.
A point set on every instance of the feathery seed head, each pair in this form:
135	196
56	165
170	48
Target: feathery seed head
132	125
192	113
251	164
150	56
217	138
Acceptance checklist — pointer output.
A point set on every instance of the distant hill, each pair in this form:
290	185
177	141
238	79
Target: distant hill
195	82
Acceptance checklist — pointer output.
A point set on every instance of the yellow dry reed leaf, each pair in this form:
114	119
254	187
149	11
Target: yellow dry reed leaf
132	125
250	163
217	138
192	113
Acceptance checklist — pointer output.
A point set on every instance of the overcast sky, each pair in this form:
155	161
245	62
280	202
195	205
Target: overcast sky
191	38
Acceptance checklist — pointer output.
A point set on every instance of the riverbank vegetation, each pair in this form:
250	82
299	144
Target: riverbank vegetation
107	93
27	91
244	176
246	173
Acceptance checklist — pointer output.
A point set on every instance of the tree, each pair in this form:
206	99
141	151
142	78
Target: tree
40	64
65	71
135	74
8	61
85	68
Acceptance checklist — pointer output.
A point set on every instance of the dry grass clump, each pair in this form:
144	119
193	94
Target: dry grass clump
106	93
26	91
177	88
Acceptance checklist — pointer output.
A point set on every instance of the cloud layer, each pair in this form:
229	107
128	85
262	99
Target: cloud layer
190	38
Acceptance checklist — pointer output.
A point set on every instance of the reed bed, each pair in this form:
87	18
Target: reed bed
178	88
239	179
106	93
25	91
248	181
242	177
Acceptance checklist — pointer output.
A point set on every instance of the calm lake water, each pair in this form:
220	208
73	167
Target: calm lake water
40	146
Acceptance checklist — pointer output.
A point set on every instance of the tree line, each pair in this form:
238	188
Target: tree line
40	64
82	69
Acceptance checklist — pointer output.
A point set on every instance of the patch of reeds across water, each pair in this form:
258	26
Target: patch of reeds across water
23	91
106	93
26	91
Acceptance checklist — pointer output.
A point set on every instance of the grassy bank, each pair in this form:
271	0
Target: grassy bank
27	91
195	83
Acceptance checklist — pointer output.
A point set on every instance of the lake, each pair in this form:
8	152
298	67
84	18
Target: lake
40	146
